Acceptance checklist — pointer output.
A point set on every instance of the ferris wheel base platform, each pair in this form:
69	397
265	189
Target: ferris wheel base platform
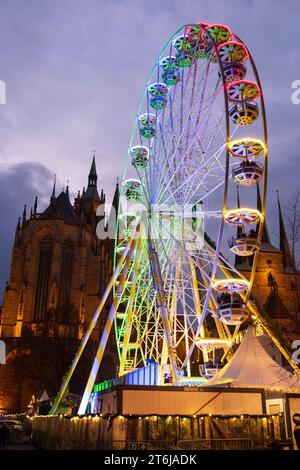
182	401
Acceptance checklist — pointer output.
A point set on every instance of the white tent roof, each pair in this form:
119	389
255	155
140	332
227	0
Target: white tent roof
44	396
251	366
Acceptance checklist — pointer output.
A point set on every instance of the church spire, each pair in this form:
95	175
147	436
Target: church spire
35	205
93	172
266	244
91	190
53	196
18	231
24	216
288	262
113	215
116	198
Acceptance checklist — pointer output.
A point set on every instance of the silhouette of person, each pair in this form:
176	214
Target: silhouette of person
296	420
4	434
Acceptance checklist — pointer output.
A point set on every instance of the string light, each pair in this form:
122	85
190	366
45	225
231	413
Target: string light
147	417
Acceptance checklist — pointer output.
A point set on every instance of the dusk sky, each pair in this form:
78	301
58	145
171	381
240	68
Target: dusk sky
75	71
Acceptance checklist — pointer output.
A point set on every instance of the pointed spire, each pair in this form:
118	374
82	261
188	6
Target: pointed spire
35	205
116	198
91	191
288	262
24	216
265	237
93	172
53	196
67	191
18	231
113	215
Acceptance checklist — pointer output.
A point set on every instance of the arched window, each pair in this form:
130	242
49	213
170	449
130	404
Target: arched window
42	286
66	272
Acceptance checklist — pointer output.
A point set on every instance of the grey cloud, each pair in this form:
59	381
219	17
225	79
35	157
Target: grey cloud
19	184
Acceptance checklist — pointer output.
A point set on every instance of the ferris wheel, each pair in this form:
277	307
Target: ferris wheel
188	210
192	148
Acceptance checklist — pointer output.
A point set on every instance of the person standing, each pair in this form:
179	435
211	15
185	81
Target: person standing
296	420
4	434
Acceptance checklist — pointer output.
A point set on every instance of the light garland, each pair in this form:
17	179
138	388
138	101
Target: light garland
147	417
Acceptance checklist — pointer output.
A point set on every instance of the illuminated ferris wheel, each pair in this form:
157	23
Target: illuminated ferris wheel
191	148
197	154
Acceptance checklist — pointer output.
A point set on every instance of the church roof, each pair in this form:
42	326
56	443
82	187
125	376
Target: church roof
252	366
91	192
60	207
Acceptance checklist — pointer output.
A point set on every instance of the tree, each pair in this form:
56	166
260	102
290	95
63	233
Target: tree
293	228
293	233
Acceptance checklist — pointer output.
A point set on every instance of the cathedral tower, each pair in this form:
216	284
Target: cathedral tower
276	284
59	270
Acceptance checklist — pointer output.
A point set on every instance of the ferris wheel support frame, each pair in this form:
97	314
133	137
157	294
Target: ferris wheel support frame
161	299
106	332
90	328
130	308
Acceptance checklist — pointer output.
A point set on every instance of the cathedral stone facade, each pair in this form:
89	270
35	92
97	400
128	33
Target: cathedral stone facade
59	270
276	287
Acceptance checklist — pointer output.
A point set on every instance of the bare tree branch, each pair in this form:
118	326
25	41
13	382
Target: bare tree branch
293	227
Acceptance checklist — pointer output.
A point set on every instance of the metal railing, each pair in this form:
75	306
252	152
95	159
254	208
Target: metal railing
197	444
144	445
217	444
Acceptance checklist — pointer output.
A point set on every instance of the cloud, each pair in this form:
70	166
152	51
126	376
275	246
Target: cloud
19	184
